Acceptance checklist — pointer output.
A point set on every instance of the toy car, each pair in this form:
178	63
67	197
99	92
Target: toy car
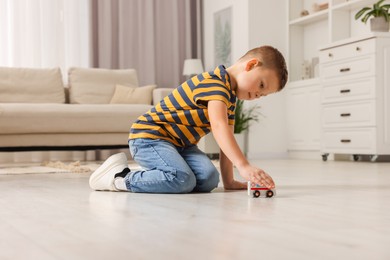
256	191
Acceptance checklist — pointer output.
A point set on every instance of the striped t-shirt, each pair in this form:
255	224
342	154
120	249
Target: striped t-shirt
182	117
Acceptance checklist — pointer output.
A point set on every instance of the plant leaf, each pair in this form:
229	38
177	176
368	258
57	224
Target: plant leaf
361	12
243	117
377	10
379	2
386	15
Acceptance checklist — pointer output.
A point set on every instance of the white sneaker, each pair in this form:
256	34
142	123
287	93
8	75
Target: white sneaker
104	176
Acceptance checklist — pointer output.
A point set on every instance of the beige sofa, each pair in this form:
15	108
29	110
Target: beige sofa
94	112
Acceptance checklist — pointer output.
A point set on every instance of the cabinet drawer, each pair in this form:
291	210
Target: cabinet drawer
355	141
351	50
348	115
346	69
349	90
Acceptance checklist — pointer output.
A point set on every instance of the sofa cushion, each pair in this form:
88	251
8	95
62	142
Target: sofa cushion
133	95
96	86
27	85
68	118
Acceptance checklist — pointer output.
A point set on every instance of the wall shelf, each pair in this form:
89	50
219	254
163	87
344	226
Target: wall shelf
311	18
352	5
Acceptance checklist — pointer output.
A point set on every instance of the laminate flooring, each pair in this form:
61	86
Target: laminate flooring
322	210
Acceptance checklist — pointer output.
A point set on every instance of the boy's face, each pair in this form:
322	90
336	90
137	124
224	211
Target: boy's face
256	81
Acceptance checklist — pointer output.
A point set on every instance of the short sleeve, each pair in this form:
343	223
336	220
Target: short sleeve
231	112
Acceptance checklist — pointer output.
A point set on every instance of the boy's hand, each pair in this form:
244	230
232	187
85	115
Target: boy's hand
257	176
236	185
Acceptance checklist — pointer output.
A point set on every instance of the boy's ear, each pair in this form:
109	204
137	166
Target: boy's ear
252	63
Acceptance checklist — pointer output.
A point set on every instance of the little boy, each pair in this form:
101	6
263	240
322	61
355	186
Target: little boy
163	140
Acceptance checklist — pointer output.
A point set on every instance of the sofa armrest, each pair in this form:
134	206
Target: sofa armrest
160	93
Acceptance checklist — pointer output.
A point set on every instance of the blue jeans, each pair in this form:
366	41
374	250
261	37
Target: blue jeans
170	169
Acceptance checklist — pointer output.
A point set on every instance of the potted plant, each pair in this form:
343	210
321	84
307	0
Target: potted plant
380	16
243	118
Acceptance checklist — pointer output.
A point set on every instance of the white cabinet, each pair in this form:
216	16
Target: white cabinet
303	115
356	96
306	35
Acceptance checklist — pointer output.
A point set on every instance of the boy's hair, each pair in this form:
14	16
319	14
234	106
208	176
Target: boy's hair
271	58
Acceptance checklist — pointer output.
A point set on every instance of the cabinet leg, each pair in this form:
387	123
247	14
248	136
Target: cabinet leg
373	157
356	157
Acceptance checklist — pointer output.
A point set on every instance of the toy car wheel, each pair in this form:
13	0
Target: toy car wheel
270	193
256	194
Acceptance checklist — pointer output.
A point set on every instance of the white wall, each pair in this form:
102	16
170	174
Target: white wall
268	26
240	40
255	23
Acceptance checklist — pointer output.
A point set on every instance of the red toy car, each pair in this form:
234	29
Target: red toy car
257	191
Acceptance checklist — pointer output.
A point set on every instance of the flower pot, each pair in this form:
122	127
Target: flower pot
379	24
208	145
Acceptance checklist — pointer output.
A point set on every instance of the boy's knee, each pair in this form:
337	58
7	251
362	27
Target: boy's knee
214	179
208	182
186	182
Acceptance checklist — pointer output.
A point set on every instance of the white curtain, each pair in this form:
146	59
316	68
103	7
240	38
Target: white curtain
152	36
45	33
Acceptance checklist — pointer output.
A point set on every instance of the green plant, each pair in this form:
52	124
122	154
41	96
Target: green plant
243	117
377	10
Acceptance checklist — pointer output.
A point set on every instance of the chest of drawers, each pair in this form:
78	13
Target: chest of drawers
355	79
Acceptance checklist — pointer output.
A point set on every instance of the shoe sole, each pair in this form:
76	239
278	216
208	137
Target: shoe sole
116	160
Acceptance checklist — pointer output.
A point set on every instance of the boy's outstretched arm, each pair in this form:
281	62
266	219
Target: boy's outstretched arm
224	136
227	172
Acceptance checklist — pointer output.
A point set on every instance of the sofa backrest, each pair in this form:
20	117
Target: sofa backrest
28	85
96	86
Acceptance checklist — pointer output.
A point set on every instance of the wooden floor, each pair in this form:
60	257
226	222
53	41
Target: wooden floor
323	210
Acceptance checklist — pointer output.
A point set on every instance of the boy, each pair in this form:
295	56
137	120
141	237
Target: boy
163	140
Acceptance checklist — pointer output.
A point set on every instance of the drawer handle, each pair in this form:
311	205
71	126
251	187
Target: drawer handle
345	140
345	114
330	55
345	91
345	69
358	48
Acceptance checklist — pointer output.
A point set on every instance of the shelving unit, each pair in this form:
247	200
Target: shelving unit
306	35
